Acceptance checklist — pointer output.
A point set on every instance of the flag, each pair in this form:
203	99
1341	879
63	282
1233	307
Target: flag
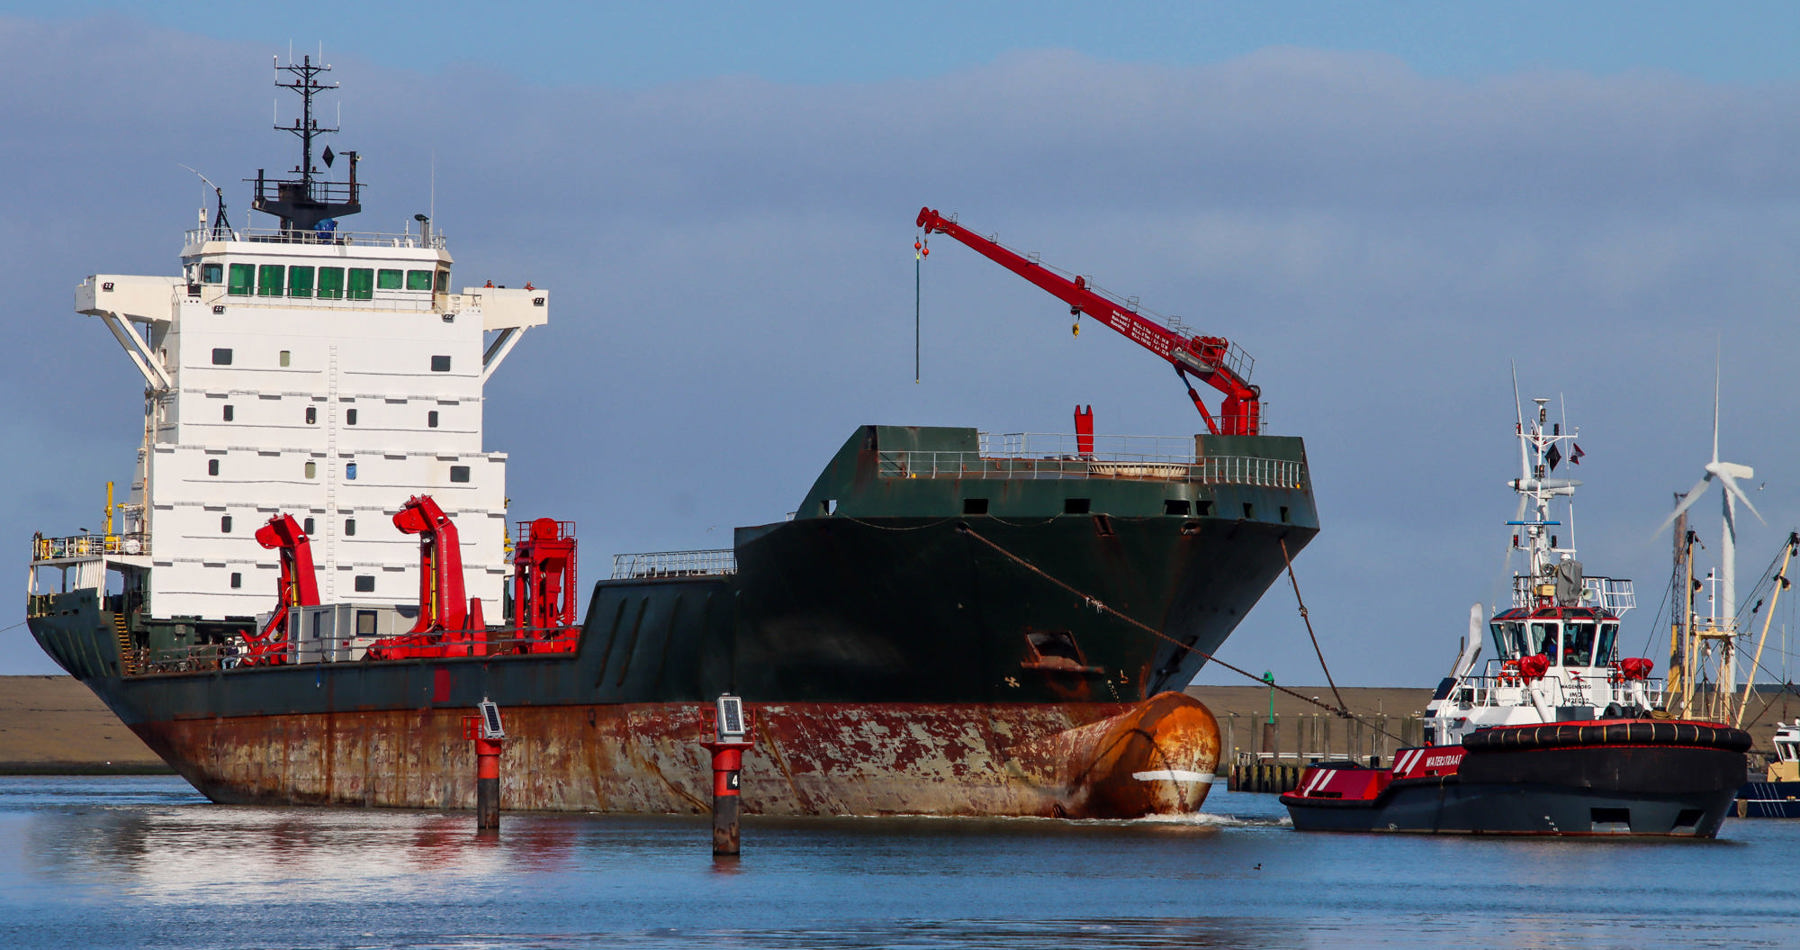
1553	456
1575	456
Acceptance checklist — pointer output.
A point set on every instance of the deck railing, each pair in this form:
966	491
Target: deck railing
89	545
1212	470
674	564
1613	594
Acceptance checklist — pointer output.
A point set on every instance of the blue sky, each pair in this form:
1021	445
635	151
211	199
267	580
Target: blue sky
1385	209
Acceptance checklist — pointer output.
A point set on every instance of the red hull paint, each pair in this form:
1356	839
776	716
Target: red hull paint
1075	760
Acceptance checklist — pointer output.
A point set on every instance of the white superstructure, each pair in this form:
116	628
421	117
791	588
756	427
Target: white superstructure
311	371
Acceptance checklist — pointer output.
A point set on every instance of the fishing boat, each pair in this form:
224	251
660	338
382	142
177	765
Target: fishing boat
294	606
1556	733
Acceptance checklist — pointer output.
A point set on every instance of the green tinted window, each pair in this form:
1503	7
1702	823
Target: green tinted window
387	279
443	281
242	276
362	283
268	280
212	273
418	280
331	282
300	281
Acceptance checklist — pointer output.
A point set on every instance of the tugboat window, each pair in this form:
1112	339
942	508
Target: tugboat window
387	279
242	276
331	283
1578	644
1603	652
1542	639
269	280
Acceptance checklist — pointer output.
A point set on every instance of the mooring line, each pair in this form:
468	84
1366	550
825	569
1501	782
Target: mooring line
1340	710
1307	619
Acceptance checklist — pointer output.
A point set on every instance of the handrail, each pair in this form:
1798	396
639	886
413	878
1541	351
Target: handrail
674	564
89	545
194	236
1212	470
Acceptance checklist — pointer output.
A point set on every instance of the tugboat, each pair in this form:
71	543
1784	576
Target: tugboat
1556	735
1779	795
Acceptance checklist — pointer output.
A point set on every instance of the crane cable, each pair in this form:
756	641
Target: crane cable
1340	710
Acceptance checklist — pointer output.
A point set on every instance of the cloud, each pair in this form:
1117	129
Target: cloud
732	267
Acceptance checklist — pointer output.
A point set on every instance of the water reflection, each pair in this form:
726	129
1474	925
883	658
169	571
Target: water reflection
144	862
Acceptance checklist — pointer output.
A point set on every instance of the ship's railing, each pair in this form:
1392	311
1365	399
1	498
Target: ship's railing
89	545
1612	594
1212	470
195	236
1499	685
206	657
674	564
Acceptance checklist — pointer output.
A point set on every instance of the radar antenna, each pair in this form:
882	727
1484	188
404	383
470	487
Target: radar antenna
307	203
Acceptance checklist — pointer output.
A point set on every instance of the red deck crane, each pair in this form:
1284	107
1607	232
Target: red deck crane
299	588
449	623
1207	357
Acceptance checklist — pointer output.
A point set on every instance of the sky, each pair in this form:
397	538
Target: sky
1388	206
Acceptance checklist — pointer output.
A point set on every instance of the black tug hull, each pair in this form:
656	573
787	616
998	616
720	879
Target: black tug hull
1650	789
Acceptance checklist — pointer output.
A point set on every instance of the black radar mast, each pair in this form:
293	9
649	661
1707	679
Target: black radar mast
303	203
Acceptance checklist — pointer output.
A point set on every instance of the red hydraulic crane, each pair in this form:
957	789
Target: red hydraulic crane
544	587
449	623
299	588
1204	356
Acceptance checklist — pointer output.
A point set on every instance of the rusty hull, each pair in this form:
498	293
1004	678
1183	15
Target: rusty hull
1073	760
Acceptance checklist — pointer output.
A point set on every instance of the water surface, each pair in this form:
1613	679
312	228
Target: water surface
142	862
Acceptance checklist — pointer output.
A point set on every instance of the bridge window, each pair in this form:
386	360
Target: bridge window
418	280
1509	639
386	279
269	280
212	273
1578	644
1541	638
331	283
362	283
242	276
1609	633
300	281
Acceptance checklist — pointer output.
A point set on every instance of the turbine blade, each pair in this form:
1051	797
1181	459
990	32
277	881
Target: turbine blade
1731	487
1716	360
1687	501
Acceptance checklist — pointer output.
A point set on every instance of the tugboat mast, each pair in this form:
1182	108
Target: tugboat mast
304	204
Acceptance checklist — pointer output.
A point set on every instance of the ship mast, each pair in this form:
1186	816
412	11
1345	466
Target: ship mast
305	203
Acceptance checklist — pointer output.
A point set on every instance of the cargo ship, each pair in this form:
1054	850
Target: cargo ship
1557	733
293	604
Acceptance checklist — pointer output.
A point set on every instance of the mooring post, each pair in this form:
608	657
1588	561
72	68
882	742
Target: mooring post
486	730
728	744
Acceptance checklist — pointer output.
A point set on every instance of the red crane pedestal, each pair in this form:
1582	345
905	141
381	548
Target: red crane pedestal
728	726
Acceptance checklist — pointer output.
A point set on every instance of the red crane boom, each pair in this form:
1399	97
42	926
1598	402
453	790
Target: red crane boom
1204	356
298	587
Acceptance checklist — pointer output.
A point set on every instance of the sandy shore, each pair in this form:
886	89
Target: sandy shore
53	724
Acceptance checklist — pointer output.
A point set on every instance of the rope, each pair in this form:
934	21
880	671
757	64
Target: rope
1307	619
1340	710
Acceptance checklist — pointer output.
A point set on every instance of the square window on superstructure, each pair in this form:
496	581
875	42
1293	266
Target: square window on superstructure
459	473
365	584
221	356
300	281
418	280
386	279
243	276
212	273
440	364
362	283
331	283
269	280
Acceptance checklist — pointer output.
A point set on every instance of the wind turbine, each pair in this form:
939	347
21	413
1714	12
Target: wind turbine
1727	475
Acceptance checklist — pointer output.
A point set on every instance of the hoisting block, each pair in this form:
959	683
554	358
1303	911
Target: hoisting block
486	730
727	727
